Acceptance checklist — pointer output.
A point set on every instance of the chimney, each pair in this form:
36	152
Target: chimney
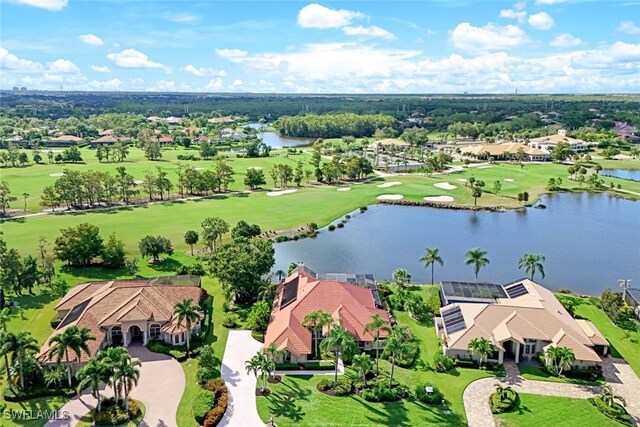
300	267
562	132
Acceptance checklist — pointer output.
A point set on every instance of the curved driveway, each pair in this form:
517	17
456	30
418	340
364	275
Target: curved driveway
160	388
242	411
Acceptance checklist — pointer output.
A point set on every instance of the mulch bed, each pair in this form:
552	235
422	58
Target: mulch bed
274	380
329	392
265	393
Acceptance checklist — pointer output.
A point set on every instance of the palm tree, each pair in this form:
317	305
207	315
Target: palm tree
280	274
341	342
316	320
402	277
5	349
482	347
257	364
397	346
20	345
128	372
271	352
609	397
478	258
565	359
186	311
363	364
72	339
532	263
91	375
375	328
110	359
431	256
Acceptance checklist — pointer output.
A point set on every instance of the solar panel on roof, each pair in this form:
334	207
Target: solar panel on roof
453	320
516	290
74	314
289	293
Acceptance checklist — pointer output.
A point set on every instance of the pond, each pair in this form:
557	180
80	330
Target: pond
622	173
276	141
589	241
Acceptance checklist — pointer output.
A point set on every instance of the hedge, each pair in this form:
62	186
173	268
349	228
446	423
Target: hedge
498	405
19	395
113	413
202	404
216	413
615	412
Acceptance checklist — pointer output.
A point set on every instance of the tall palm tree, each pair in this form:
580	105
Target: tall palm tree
478	258
280	274
375	328
402	277
341	342
397	346
316	320
482	347
20	345
72	339
363	364
271	352
609	396
91	375
110	359
431	256
128	372
5	350
256	365
532	263
188	313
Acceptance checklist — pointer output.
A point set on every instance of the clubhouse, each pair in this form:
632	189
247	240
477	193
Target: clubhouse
521	319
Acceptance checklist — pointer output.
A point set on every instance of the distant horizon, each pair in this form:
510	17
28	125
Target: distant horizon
303	47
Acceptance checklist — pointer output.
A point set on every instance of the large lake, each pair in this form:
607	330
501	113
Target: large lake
589	240
276	141
622	173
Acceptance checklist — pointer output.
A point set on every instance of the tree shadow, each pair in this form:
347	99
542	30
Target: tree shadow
283	403
167	264
95	272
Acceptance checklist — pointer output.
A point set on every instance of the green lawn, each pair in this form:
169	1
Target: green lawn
538	410
297	397
539	374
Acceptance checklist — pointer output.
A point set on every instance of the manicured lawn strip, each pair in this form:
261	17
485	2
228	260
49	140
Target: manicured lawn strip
536	410
539	374
627	344
45	404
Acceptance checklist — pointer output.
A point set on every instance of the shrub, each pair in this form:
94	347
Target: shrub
442	363
282	239
55	321
218	387
430	398
179	355
114	413
362	209
615	412
202	404
296	237
343	387
16	394
287	366
564	291
340	225
324	384
332	227
503	403
381	393
230	320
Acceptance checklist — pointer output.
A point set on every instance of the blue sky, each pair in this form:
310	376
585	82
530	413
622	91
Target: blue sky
536	46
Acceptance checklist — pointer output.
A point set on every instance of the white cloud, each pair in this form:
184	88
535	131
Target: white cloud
11	62
550	2
628	27
519	15
231	53
317	16
214	85
63	66
565	40
488	38
131	58
165	86
112	84
237	85
541	21
202	72
100	68
91	39
371	31
52	5
181	17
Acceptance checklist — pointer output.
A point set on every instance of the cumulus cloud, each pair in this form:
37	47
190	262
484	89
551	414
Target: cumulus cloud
628	27
214	85
91	39
52	5
63	66
488	38
519	15
131	58
100	69
231	53
565	40
541	21
317	16
202	72
11	62
371	32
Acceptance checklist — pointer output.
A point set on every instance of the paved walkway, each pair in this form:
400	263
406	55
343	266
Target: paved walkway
616	371
160	388
242	411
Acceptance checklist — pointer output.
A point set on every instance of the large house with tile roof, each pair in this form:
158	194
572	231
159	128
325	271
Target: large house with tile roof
122	312
350	299
548	143
521	319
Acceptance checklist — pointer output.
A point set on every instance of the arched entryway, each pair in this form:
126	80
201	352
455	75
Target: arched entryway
116	335
135	335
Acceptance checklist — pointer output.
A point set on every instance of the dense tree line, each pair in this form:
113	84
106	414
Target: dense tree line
334	125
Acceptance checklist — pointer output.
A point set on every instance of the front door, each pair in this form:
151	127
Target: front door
135	334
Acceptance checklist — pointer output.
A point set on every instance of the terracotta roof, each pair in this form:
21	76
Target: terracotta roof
110	139
350	305
536	314
505	148
393	141
556	139
67	138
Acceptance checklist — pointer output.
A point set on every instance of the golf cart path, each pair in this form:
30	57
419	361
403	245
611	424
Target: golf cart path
617	372
242	410
160	388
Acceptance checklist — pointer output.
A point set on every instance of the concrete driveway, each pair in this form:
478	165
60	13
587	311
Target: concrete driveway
241	411
160	388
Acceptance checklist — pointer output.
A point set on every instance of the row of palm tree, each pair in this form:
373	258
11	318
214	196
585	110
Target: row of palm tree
532	263
481	347
264	363
17	345
73	340
559	358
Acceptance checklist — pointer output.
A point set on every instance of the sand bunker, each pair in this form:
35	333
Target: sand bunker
388	184
344	188
484	167
508	180
445	186
280	193
390	197
462	180
56	174
138	181
439	199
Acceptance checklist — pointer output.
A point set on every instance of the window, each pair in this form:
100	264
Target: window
154	331
175	339
183	337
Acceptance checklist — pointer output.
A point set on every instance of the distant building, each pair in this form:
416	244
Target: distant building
632	297
110	139
508	151
627	131
548	143
63	141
